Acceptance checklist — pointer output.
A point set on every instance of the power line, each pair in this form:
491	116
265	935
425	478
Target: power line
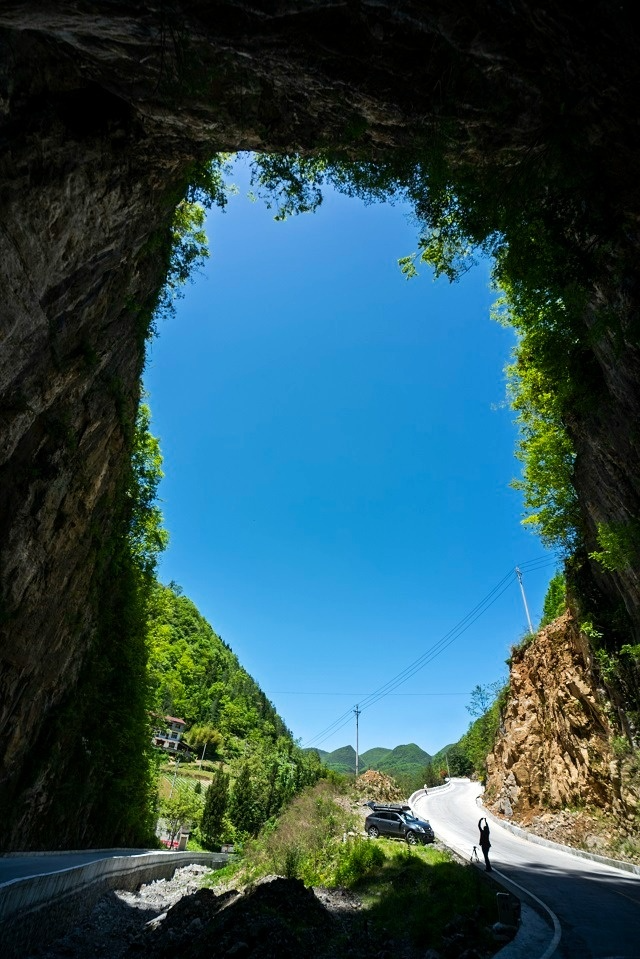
435	650
297	692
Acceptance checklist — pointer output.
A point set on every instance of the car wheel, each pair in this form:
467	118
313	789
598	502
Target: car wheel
373	831
411	838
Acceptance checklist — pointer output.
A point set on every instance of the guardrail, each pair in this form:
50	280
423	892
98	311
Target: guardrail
38	909
430	791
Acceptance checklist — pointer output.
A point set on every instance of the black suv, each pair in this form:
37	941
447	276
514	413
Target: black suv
396	820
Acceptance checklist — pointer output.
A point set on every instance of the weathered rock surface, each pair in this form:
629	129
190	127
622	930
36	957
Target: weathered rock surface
554	748
103	110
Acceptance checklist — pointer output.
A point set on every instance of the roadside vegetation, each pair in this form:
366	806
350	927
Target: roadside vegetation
413	895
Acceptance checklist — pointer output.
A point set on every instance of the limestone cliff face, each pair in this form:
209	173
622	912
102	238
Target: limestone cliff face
105	107
554	746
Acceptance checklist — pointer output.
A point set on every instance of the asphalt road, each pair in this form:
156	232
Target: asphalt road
19	867
597	906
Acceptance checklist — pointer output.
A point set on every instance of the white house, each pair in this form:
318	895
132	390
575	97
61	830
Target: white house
169	735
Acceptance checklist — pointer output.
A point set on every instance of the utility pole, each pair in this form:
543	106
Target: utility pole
524	600
357	711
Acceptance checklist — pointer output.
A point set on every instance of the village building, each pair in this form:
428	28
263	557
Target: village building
169	735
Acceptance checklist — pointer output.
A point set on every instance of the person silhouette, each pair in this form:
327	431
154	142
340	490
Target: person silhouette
484	843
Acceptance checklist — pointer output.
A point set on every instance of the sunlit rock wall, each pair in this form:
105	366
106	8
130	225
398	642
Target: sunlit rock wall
554	746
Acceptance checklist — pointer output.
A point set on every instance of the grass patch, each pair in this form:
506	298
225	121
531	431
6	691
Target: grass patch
424	896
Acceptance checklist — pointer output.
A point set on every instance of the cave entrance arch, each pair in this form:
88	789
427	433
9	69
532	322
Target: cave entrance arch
107	115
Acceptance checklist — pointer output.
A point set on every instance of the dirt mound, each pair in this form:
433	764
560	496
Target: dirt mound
274	919
377	786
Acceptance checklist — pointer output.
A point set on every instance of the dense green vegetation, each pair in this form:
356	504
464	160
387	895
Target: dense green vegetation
194	675
555	600
371	757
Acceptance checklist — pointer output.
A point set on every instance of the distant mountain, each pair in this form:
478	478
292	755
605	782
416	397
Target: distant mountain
369	759
343	760
403	759
409	759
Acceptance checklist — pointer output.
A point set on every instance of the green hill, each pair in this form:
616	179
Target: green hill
403	761
408	760
373	756
342	760
195	676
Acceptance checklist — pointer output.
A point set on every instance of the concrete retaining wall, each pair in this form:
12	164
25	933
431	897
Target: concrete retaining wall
39	909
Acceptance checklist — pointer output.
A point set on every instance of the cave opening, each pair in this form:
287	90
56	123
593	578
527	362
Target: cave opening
338	449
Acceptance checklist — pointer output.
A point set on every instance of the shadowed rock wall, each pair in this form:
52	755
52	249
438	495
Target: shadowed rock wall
103	109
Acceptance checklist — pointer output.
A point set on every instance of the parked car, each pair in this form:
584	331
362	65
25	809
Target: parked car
398	821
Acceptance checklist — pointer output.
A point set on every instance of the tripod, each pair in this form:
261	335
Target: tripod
474	855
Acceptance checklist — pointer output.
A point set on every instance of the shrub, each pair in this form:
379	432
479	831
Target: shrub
358	858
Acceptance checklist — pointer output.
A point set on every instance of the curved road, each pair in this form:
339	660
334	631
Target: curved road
16	866
598	906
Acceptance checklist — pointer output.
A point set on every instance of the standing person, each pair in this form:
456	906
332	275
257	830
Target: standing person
425	789
484	843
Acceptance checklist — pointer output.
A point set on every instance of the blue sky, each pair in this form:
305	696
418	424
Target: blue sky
337	455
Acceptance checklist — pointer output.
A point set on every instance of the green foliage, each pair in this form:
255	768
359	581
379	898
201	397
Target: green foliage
194	675
215	806
265	779
368	759
590	630
207	181
455	760
186	248
544	449
487	703
358	859
147	537
408	759
342	760
430	775
621	747
421	896
206	740
183	806
411	893
245	807
620	544
555	600
403	763
482	697
99	739
517	649
305	841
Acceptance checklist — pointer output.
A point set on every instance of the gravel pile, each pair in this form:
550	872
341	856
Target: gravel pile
120	919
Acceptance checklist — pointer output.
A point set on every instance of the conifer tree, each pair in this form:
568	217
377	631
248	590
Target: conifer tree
215	805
